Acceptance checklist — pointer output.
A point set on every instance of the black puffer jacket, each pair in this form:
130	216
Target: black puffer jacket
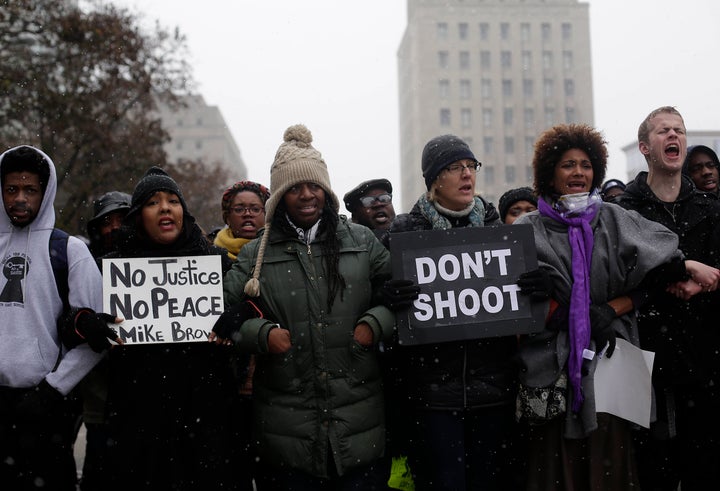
458	374
684	335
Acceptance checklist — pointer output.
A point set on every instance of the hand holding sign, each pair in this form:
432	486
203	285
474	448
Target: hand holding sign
536	284
398	294
84	325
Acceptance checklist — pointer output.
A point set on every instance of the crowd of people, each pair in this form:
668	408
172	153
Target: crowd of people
303	383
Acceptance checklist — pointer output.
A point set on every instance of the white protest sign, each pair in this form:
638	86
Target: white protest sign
163	299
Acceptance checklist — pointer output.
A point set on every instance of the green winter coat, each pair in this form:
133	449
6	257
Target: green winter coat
322	400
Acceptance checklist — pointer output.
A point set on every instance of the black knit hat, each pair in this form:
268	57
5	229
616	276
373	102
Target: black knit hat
440	152
108	203
512	196
352	197
154	180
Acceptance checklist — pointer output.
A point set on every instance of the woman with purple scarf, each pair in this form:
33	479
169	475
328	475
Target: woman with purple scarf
597	262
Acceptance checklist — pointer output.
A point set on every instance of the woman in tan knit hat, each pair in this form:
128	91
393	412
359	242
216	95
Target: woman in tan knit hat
316	278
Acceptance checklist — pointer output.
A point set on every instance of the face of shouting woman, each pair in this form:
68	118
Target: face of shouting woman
162	217
304	203
573	174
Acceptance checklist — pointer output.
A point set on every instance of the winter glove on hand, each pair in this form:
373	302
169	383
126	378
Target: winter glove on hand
558	321
228	324
601	330
399	294
536	283
41	401
84	325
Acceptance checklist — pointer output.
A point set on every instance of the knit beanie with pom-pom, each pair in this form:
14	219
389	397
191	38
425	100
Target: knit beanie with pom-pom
296	161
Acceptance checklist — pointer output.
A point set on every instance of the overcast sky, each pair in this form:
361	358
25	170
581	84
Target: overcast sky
332	65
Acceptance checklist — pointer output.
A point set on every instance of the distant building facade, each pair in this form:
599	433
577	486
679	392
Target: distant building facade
199	131
496	73
636	160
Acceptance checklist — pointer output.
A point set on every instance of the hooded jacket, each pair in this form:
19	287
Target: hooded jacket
683	334
30	304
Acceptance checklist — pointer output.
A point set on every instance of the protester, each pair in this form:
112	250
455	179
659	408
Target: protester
458	396
102	229
170	404
243	211
598	263
683	445
315	277
516	202
370	204
701	165
37	374
611	188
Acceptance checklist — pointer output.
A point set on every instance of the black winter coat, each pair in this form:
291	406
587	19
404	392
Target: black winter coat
457	374
684	335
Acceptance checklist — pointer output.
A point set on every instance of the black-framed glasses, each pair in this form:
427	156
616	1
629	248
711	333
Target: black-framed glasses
460	168
368	201
242	210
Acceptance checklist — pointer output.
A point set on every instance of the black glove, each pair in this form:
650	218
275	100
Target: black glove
558	321
41	401
536	283
84	325
399	294
601	330
228	324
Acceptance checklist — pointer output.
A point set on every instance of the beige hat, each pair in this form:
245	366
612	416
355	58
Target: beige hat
296	161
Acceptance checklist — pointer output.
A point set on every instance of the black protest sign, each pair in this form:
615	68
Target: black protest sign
164	299
467	279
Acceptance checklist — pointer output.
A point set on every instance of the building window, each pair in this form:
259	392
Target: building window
198	144
485	60
487	117
485	88
488	150
526	60
566	31
199	122
548	88
569	115
569	87
465	89
507	88
464	60
504	31
444	117
529	145
465	118
549	116
547	60
525	31
508	116
510	175
528	87
484	31
444	88
489	172
567	60
506	59
442	30
443	59
179	122
546	31
463	30
529	117
179	145
509	144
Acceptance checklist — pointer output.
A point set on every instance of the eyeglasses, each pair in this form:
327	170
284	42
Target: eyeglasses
698	166
251	210
460	168
368	201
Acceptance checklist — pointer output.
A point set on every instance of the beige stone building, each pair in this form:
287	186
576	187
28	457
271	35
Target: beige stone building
496	73
199	131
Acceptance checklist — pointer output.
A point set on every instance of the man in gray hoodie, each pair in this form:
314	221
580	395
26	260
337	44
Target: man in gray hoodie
36	371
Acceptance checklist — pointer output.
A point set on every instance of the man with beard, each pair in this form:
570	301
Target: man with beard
370	204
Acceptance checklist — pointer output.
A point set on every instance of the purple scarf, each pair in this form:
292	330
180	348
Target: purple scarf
581	239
